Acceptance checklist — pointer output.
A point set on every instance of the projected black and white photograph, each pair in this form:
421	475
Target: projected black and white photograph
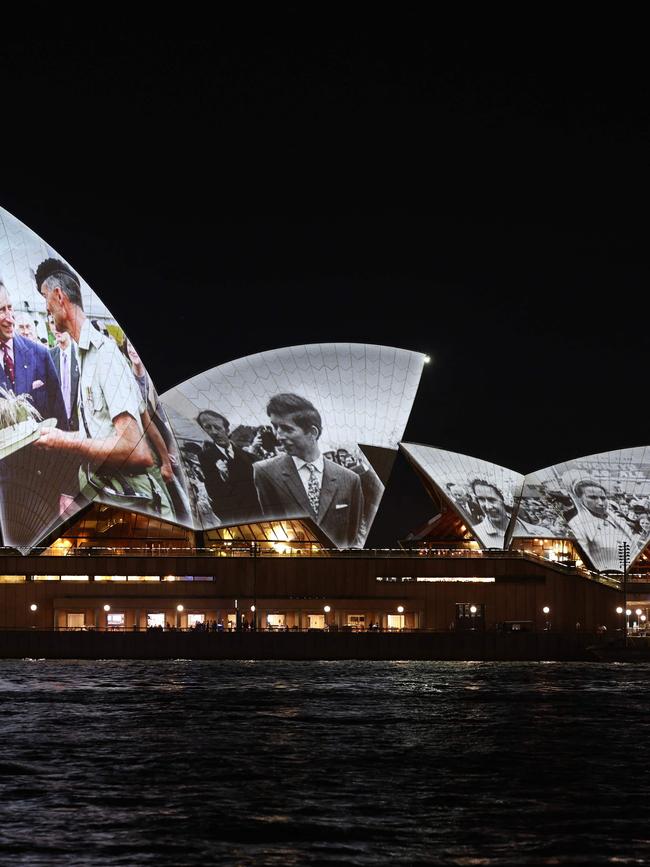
253	453
484	494
80	419
599	501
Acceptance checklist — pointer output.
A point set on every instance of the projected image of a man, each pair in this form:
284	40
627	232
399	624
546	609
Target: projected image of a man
496	516
300	482
596	528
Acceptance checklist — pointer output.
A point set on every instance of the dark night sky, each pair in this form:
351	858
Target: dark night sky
484	203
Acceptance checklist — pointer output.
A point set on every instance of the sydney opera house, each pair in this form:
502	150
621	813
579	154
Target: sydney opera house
243	497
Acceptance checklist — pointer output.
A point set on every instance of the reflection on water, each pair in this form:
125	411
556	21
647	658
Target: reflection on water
191	763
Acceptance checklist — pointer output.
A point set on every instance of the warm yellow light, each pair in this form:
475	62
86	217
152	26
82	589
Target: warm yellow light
637	612
33	606
400	609
619	610
180	608
253	608
107	607
472	609
327	609
546	609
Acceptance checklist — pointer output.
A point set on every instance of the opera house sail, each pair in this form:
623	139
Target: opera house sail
305	432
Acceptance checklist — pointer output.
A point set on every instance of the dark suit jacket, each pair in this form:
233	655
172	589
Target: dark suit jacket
31	481
73	421
233	500
282	495
33	363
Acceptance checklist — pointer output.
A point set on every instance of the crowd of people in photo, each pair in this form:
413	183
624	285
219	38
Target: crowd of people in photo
111	434
596	516
107	436
554	510
277	470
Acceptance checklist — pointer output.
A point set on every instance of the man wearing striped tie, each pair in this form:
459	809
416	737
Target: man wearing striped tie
300	483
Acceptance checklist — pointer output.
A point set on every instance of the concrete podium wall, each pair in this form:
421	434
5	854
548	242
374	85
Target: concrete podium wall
42	644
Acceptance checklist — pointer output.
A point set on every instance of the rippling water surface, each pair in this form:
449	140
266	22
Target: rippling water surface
188	763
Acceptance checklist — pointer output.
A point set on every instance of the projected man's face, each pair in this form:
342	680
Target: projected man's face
492	505
594	498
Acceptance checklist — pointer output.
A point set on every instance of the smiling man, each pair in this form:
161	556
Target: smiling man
227	471
496	517
31	487
301	483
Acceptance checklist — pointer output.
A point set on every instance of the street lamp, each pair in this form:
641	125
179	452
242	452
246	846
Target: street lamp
638	613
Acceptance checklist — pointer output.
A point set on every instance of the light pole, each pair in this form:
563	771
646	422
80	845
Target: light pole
624	559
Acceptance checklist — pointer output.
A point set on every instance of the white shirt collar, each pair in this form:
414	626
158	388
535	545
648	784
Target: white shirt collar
318	463
228	451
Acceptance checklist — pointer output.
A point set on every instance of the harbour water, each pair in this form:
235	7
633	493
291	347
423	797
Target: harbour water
281	763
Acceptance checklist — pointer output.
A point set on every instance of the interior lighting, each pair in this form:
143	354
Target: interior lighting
180	608
327	609
400	609
107	607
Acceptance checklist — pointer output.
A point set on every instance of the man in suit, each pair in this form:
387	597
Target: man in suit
227	471
26	367
31	483
66	364
301	483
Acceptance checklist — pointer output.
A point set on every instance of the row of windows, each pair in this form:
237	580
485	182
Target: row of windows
17	579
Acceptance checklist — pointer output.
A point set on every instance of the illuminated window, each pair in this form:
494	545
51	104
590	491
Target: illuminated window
195	620
75	620
155	620
115	620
